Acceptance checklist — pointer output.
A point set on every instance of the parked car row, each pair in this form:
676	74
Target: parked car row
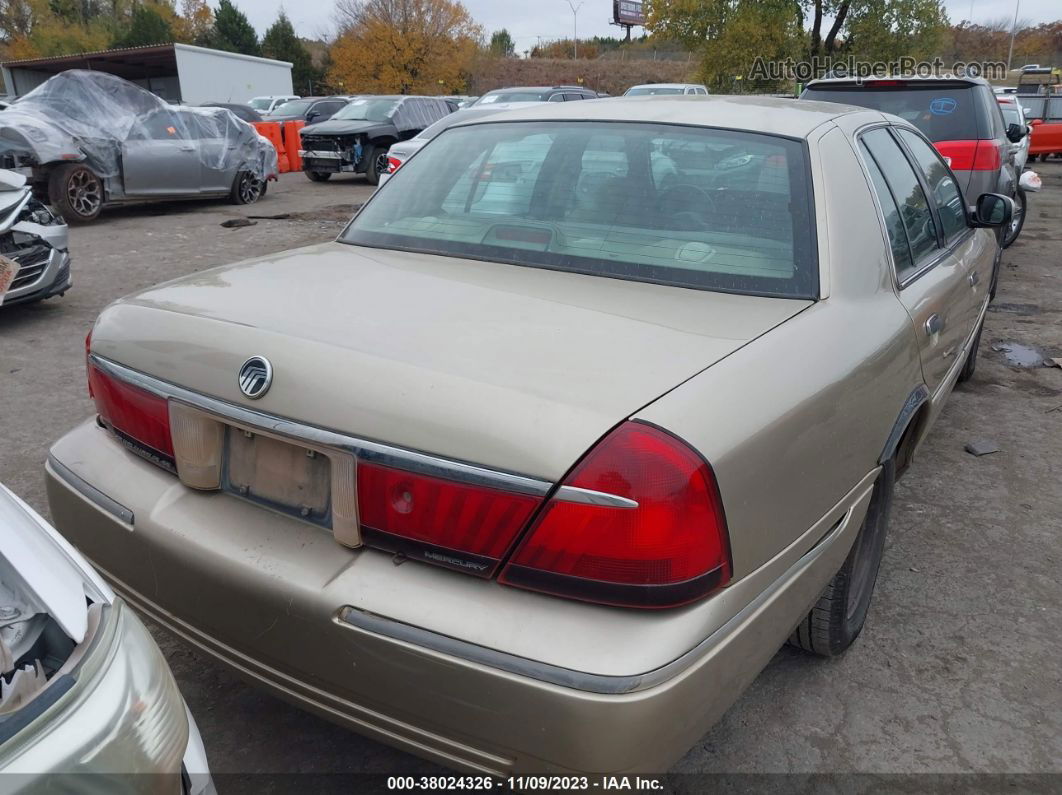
437	520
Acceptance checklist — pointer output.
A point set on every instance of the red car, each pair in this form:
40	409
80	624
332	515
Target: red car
1044	115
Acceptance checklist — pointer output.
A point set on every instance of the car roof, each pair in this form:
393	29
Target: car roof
541	88
868	82
788	117
667	85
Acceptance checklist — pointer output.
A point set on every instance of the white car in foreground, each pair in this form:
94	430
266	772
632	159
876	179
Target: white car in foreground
84	690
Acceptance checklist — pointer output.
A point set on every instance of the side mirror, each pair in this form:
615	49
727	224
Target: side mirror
1015	132
313	114
993	209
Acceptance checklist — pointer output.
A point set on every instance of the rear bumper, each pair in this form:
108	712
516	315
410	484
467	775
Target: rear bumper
269	609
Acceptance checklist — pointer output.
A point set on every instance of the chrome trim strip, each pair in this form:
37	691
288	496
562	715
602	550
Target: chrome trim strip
591	497
88	491
352	618
363	449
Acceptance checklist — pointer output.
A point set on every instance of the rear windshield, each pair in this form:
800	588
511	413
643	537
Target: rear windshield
294	108
652	90
942	113
686	206
513	96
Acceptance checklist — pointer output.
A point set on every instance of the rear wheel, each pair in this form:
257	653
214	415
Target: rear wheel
77	192
247	188
838	617
318	176
1017	222
377	164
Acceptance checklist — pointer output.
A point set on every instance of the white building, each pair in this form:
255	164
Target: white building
175	72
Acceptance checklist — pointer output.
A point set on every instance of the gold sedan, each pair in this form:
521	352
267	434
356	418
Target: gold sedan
588	410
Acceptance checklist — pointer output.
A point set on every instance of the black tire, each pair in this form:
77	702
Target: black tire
318	176
76	191
1010	234
838	617
970	365
376	164
247	188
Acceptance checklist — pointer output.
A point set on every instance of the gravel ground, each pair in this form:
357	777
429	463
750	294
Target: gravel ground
960	667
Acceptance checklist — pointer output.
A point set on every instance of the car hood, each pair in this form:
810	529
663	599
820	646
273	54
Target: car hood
513	367
340	127
45	573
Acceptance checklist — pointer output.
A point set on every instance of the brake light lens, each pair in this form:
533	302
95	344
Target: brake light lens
392	164
972	155
670	548
139	418
459	525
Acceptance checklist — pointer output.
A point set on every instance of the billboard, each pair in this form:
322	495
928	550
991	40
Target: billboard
628	12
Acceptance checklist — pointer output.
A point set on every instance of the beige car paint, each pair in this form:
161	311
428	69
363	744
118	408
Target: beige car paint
793	403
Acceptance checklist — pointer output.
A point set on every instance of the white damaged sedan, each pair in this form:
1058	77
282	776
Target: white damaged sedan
85	694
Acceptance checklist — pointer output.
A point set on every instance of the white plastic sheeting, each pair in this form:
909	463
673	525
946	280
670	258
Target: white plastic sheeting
81	114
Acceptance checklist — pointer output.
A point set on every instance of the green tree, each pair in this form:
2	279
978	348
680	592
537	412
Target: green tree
232	31
146	27
502	44
280	42
884	30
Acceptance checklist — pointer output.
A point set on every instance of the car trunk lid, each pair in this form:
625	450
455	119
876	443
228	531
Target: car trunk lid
515	368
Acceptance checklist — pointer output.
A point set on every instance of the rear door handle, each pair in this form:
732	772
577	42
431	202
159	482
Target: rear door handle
934	324
188	148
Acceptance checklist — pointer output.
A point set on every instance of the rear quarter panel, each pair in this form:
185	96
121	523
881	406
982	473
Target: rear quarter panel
795	419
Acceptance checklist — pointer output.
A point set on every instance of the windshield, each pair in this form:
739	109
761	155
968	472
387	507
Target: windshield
296	107
692	207
258	103
654	90
512	96
368	110
942	113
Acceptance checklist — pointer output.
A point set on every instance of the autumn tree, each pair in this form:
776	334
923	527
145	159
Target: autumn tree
403	46
195	23
502	44
280	42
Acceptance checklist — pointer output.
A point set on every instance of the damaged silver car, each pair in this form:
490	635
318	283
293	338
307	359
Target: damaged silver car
34	256
86	140
86	698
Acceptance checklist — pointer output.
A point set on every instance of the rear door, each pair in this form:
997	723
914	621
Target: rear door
161	157
974	250
932	281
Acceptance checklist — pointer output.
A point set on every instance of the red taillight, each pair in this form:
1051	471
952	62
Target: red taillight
392	164
454	524
670	548
972	155
138	417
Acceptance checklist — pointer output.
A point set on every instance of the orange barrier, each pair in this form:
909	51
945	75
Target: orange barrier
271	130
293	143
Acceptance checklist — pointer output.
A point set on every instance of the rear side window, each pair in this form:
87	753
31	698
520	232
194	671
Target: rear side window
941	112
906	191
901	250
685	206
945	193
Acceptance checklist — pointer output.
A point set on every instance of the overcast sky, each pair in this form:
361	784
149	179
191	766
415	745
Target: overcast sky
527	20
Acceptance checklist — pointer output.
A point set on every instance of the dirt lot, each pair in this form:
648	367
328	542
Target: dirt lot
960	667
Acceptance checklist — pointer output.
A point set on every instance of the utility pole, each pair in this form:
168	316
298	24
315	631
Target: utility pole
575	24
1013	30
